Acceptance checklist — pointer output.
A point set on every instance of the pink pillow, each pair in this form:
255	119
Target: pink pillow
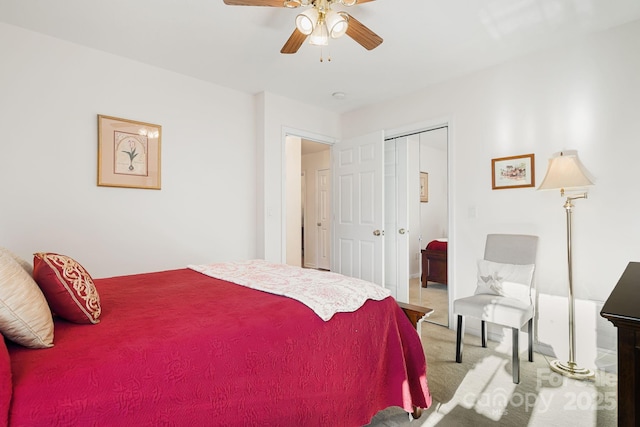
67	286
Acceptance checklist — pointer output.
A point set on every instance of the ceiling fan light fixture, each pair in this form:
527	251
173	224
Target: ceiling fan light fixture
319	36
292	3
348	2
307	20
337	23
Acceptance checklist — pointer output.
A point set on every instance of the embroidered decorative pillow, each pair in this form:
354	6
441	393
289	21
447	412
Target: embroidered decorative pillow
25	317
68	287
508	280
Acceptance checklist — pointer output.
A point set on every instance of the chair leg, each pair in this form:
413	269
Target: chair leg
516	356
530	332
459	336
483	326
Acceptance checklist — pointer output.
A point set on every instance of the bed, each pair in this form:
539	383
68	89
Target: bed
434	262
181	347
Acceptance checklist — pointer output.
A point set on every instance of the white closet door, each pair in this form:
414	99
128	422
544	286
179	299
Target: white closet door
397	218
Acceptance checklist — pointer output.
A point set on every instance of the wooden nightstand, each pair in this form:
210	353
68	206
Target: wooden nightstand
621	309
416	313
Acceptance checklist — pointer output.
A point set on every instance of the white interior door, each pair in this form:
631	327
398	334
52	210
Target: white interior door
359	208
396	198
401	229
324	218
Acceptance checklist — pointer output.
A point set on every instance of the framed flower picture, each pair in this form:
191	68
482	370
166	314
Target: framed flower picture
513	172
128	153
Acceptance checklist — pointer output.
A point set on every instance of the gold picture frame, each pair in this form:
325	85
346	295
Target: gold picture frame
424	187
128	153
513	172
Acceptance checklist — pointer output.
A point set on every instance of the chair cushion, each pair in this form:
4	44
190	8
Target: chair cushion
508	280
495	309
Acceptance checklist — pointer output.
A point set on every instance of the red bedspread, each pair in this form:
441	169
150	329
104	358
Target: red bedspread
181	348
437	245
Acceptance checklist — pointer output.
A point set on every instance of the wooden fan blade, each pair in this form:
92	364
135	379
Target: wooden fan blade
363	1
272	3
363	35
295	41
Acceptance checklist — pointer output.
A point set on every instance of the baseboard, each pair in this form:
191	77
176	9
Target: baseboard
607	360
544	348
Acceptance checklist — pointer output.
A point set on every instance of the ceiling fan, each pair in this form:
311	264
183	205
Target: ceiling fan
319	22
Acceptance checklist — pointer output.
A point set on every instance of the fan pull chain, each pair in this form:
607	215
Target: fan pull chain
328	56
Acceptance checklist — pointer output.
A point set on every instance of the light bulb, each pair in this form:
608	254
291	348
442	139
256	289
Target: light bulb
319	36
306	21
337	23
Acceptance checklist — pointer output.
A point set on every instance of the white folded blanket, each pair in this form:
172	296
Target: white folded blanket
326	293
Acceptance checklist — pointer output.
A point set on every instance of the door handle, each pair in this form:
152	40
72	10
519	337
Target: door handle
376	232
319	224
402	231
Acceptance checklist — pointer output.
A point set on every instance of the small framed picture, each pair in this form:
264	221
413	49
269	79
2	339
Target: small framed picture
424	187
128	153
513	172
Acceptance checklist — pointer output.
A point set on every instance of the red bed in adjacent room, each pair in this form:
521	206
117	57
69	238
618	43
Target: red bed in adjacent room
434	262
180	347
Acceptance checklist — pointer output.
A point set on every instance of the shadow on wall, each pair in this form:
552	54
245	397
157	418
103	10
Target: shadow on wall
595	336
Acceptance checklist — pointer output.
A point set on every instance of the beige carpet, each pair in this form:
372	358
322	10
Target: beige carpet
479	392
434	296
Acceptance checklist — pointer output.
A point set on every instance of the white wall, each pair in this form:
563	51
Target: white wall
585	97
293	162
222	191
51	92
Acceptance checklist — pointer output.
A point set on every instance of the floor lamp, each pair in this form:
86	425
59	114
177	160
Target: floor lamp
565	172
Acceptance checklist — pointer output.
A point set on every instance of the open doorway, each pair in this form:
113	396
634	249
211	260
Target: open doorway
308	200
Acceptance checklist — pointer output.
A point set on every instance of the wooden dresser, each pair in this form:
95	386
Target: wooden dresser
622	308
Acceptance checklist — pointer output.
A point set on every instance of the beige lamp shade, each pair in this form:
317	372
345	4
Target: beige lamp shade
565	171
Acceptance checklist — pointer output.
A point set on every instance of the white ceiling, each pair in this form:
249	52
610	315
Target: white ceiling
425	41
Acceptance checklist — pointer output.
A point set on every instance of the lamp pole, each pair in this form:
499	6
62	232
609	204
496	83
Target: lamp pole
570	369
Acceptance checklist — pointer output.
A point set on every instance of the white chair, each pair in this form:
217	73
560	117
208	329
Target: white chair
503	293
